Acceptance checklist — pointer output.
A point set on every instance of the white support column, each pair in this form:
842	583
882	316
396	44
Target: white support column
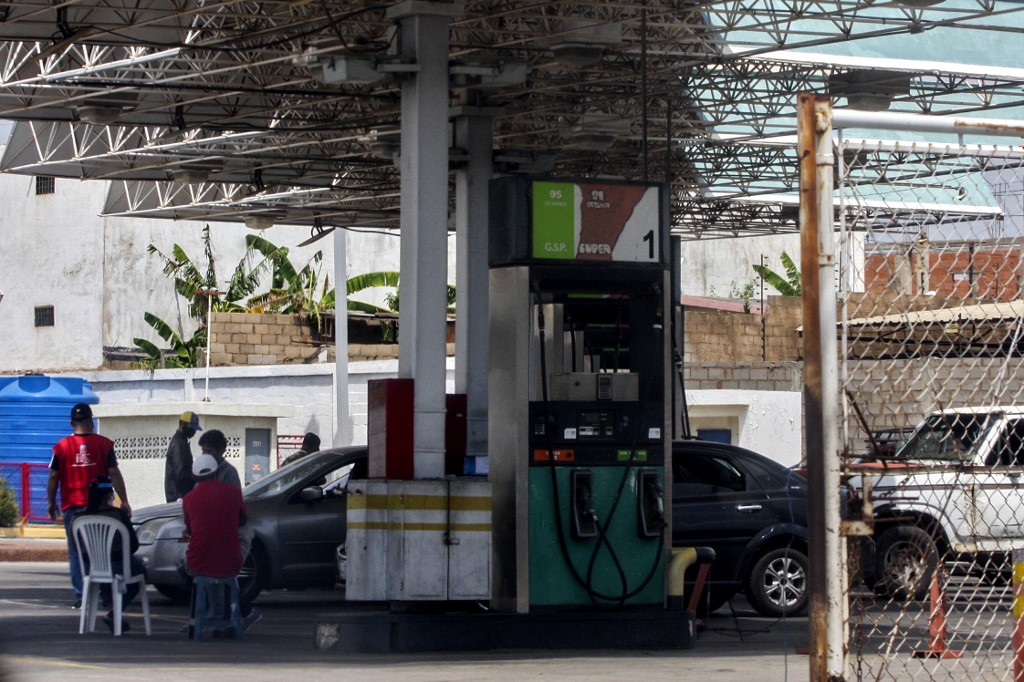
342	420
423	37
473	132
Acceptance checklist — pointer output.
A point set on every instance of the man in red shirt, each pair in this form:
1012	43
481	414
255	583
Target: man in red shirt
213	513
77	460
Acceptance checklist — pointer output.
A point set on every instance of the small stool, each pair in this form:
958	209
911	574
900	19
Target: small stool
215	605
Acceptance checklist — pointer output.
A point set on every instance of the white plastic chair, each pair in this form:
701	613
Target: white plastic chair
94	537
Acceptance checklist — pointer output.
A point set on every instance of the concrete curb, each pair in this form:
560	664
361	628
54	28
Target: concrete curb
52	532
33	543
23	549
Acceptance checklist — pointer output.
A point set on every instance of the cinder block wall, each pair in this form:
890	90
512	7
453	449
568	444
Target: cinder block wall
259	339
744	376
724	336
241	339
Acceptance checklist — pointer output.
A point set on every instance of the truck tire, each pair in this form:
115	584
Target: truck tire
905	559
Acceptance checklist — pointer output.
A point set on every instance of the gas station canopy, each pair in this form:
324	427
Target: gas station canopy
288	112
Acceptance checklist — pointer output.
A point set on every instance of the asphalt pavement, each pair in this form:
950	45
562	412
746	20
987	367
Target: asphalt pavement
39	640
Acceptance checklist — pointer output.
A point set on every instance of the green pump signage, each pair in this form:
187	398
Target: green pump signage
596	221
554	220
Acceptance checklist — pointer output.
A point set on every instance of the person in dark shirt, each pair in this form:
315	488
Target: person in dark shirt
178	468
310	444
215	443
101	503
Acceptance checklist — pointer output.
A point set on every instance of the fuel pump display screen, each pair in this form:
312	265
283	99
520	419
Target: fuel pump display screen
588	433
595	221
595	425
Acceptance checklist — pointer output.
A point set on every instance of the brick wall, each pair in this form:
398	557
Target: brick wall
989	271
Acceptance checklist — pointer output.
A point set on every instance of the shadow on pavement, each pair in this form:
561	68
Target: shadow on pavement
39	640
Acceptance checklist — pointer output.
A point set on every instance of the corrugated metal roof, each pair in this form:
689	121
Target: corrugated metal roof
979	312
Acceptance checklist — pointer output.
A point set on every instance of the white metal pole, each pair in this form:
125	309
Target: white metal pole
209	337
473	131
851	118
342	419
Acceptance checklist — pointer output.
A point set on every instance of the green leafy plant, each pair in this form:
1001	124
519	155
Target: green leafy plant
788	285
292	291
744	293
182	353
392	299
10	513
190	280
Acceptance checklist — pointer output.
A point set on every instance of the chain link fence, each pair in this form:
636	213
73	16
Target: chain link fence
932	339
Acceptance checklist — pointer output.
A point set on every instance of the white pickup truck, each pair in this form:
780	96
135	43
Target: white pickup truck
953	492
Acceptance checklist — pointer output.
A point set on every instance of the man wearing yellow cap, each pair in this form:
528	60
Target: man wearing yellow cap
178	470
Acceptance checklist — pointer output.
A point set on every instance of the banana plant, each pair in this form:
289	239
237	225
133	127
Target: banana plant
182	353
386	278
369	280
790	285
189	280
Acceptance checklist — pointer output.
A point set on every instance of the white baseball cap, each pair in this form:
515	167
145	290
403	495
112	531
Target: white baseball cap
204	465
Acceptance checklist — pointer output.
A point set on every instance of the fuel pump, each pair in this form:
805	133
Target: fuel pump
578	409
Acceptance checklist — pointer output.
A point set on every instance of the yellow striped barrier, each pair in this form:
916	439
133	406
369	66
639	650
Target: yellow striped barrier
418	540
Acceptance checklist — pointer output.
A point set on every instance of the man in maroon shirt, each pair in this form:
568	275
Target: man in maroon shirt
213	513
77	460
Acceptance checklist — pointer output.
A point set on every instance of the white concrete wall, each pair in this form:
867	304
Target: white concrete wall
141	434
713	267
768	422
97	274
53	254
717	267
309	389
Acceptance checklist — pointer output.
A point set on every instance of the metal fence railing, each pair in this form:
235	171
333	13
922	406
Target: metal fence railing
287	445
28	482
929	233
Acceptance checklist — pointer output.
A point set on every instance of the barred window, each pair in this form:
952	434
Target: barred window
44	316
45	184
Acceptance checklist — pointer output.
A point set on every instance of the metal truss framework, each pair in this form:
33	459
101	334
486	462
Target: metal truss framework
212	109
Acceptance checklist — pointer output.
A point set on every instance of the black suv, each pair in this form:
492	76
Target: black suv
753	512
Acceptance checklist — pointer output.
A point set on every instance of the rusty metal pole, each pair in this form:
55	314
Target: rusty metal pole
1018	615
827	622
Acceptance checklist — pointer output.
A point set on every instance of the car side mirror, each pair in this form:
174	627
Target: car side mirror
311	494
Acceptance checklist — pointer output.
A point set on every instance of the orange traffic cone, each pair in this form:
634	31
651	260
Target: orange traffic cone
937	647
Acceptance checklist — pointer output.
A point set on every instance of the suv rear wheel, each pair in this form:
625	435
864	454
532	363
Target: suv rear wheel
777	585
905	559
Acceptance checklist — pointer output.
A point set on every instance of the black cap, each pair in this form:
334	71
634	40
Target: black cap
311	441
81	412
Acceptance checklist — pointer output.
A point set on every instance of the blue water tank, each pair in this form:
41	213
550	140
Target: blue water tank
35	412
